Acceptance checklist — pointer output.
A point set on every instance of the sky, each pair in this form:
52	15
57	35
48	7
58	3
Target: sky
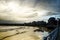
28	10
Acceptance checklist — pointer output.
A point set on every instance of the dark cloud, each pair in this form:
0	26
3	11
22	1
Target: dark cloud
5	21
9	22
53	13
50	4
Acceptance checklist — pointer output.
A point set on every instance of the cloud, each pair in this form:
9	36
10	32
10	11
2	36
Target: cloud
53	13
51	5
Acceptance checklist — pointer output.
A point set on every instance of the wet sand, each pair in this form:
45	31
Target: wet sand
19	33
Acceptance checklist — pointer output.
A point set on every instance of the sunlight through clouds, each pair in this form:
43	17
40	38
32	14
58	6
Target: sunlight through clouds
12	10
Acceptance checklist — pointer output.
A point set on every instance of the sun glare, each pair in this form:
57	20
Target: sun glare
17	9
17	12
